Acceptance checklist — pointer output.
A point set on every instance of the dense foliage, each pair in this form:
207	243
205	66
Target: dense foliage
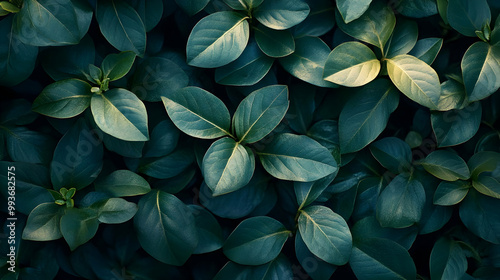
250	139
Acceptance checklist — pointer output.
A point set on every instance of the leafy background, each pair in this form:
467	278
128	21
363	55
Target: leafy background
251	139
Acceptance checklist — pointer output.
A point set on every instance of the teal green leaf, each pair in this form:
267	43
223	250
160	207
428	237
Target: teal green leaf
351	64
115	66
480	215
52	22
374	27
209	231
123	183
78	226
256	241
260	112
157	76
427	49
466	17
369	227
165	227
325	234
393	154
198	113
227	166
77	158
28	145
320	20
114	210
192	7
416	9
167	166
403	38
365	115
151	12
17	112
380	258
243	5
17	60
481	69
119	113
401	203
297	158
281	14
308	192
44	223
452	96
480	162
308	60
274	43
314	266
352	10
451	193
487	185
247	70
416	79
448	260
446	165
456	126
278	269
164	139
63	99
217	39
121	25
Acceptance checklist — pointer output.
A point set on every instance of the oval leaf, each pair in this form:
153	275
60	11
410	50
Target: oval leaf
260	112
198	113
325	234
274	43
456	126
63	99
446	165
256	241
466	17
123	183
297	158
43	223
281	14
78	226
217	39
352	10
351	64
115	66
227	166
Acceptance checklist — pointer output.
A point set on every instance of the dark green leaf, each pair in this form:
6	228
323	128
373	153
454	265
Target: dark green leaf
78	226
314	266
352	10
247	70
114	210
452	96
369	227
308	60
308	192
393	154
480	215
115	66
123	183
256	241
320	20
378	258
17	60
260	112
281	14
227	166
483	162
243	5
456	126
166	228
451	193
151	11
274	43
297	158
427	49
43	223
415	79
167	166
198	113
326	234
217	39
16	112
164	139
480	68
403	38
52	22
416	8
379	19
351	64
63	99
77	158
278	269
487	185
28	146
157	76
401	203
209	231
192	7
119	113
448	260
446	165
365	115
121	25
466	17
